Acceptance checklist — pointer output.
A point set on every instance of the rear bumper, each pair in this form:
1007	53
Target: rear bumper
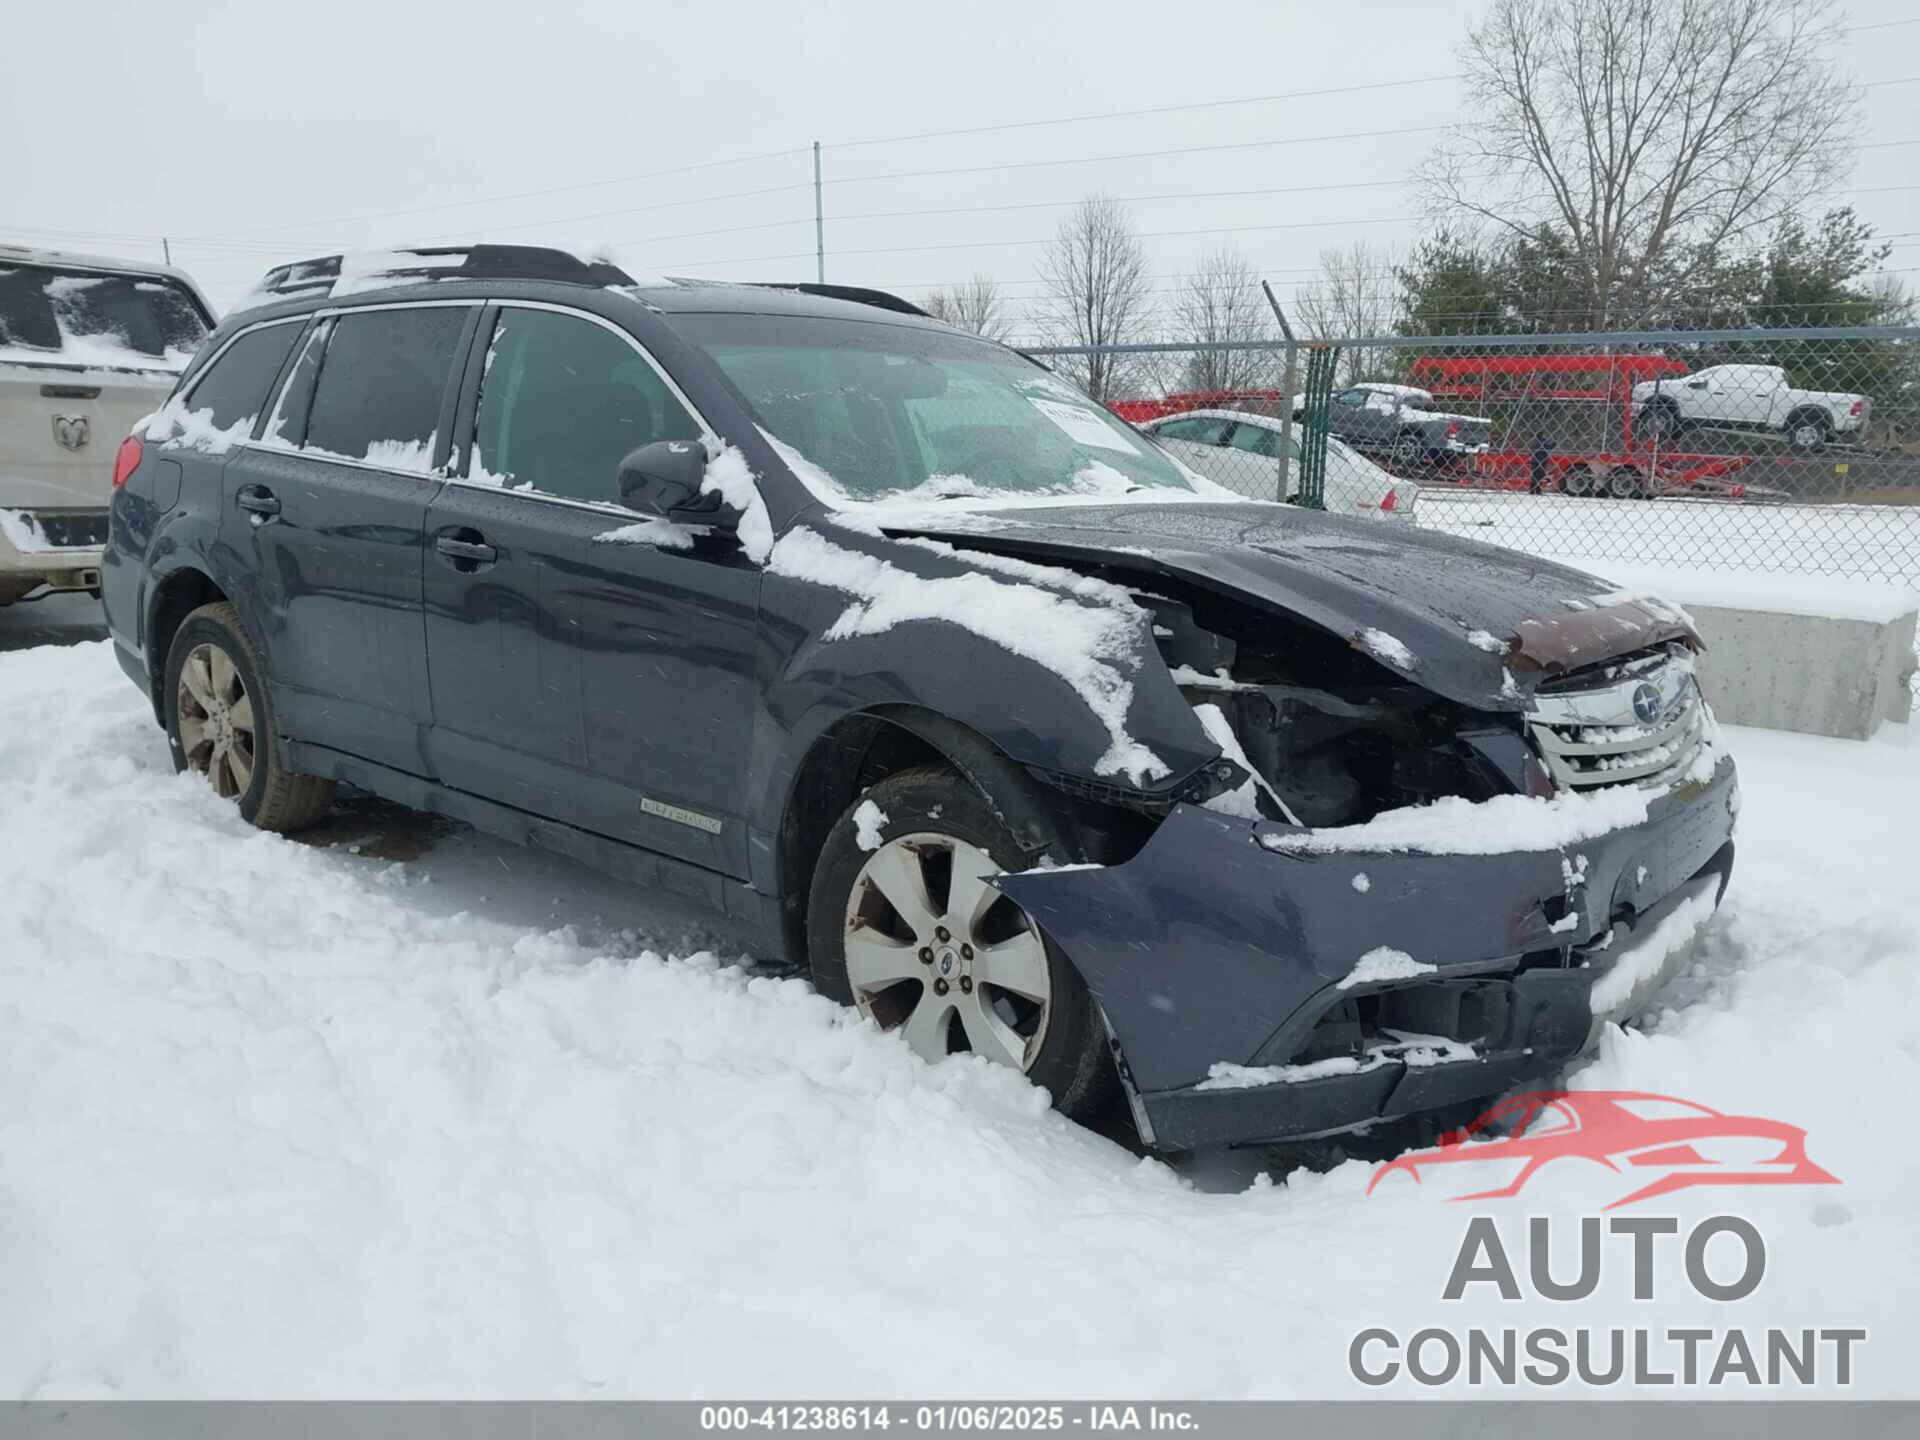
1207	949
57	549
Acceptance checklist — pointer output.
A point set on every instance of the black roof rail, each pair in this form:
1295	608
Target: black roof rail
435	262
854	293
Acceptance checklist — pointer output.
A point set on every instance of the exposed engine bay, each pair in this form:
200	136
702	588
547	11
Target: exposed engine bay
1335	737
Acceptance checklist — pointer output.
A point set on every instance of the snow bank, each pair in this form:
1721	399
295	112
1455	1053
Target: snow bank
287	1120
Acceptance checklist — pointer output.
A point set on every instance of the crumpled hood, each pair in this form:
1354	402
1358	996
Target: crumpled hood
1439	596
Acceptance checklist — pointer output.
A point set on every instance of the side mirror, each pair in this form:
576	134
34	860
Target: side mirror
665	479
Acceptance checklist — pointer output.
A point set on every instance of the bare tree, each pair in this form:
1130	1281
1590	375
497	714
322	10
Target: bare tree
1353	296
974	305
1097	292
1647	134
1221	302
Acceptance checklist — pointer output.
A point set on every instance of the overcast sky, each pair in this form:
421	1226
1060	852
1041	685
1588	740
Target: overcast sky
253	133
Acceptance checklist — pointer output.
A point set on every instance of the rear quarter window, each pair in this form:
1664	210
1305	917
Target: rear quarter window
235	386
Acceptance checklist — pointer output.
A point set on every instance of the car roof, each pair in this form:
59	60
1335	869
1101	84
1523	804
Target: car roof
509	270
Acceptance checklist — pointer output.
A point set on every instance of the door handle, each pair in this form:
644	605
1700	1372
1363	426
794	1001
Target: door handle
477	552
258	499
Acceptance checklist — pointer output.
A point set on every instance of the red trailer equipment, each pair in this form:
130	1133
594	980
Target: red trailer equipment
1573	417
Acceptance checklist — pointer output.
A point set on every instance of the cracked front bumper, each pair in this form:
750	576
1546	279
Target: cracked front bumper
1207	947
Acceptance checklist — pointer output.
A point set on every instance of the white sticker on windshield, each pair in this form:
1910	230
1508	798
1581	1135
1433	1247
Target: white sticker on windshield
1083	426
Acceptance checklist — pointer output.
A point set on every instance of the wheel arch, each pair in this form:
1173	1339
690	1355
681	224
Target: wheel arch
174	597
867	745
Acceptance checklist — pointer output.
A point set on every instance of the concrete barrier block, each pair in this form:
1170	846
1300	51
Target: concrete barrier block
1817	674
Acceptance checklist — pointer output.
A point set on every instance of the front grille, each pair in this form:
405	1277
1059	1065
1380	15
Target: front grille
1639	724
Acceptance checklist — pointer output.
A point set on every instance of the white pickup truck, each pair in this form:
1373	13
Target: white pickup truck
87	346
1749	397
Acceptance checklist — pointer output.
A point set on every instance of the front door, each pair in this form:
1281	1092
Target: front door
586	664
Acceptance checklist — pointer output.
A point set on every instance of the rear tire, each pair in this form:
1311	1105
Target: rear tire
1578	480
1808	432
220	724
865	950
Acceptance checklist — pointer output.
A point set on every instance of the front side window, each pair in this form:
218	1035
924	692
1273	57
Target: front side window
98	319
235	386
382	382
562	402
892	410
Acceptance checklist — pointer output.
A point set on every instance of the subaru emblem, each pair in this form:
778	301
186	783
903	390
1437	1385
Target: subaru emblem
1646	703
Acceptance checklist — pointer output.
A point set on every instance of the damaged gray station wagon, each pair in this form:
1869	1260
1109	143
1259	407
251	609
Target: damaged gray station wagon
975	704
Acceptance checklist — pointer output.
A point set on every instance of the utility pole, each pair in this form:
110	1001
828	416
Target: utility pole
819	223
166	249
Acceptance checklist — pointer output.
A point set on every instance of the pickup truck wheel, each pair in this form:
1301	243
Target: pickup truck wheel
1808	431
1662	420
1579	480
220	724
902	925
1409	451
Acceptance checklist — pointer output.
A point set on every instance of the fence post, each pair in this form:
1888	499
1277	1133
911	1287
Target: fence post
1322	361
1290	377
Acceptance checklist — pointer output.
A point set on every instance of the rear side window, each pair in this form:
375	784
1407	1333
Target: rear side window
1256	440
381	385
98	319
235	386
1206	430
562	401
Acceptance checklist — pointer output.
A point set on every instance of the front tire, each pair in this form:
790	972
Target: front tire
902	926
220	724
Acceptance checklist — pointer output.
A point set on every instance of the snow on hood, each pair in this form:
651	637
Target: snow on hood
1422	603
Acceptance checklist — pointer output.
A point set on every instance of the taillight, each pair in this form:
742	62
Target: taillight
1392	502
1453	428
126	461
1858	406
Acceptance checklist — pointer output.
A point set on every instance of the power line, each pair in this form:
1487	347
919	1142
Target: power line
498	199
1144	110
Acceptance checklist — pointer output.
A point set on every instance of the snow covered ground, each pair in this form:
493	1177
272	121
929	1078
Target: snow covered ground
410	1113
1859	542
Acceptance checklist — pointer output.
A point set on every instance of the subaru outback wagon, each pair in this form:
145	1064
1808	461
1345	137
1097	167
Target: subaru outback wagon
969	700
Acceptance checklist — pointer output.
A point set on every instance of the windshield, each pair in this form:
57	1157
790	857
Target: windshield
97	319
890	411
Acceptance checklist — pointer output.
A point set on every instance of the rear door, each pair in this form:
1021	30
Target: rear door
83	354
586	664
328	510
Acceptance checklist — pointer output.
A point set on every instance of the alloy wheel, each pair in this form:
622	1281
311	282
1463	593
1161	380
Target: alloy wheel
216	721
935	952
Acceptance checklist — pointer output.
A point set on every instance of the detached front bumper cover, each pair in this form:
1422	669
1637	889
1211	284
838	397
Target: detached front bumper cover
1207	947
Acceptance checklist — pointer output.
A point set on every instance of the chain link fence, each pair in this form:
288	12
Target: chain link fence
1769	451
